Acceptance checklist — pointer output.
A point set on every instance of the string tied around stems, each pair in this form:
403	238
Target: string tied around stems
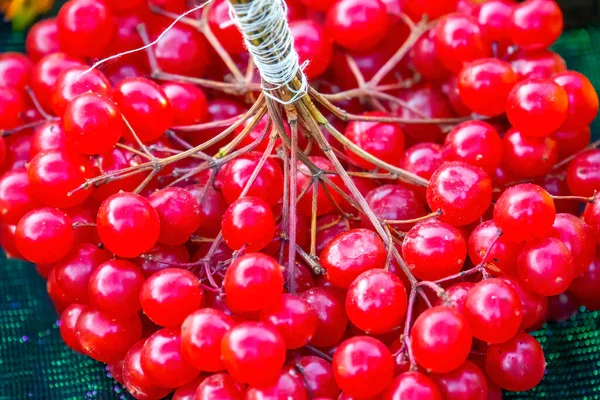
269	41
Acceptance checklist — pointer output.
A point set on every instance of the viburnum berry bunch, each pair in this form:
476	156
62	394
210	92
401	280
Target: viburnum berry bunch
389	224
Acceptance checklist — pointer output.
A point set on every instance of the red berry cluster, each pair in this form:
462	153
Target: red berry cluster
394	234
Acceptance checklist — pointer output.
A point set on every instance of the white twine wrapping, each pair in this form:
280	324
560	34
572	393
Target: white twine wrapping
275	56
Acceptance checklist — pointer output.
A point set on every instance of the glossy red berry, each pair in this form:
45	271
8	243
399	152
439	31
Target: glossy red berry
394	203
433	250
189	103
534	306
583	99
537	107
45	74
412	385
328	302
465	382
288	386
146	108
114	288
44	235
248	223
527	156
384	141
493	309
358	25
425	59
42	39
546	266
170	295
583	173
136	380
571	141
226	32
105	339
536	24
253	282
84	28
220	387
294	318
494	18
317	375
578	238
68	321
268	184
304	182
458	40
253	353
162	360
54	174
457	294
484	85
92	124
586	286
376	301
48	136
201	335
313	44
182	49
15	70
476	143
460	191
524	211
362	366
212	207
441	339
539	64
73	272
351	253
127	224
179	214
76	81
591	216
486	239
516	365
15	196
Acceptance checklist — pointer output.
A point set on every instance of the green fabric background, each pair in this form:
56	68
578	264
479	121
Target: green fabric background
35	364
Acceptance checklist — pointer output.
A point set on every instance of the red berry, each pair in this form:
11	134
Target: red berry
494	311
534	306
288	386
313	44
189	103
591	216
494	18
253	282
546	266
146	108
92	124
304	182
536	24
54	174
527	156
476	143
460	191
114	288
294	319
248	223
351	253
501	258
48	136
587	286
181	50
394	202
384	141
45	74
268	184
516	365
15	196
571	141
73	272
539	64
84	28
457	295
418	8
68	321
458	40
537	107
362	366
484	85
76	81
136	380
524	212
220	387
441	339
467	382
170	295
212	207
105	339
179	214
42	39
44	235
412	385
201	335
162	360
578	238
127	224
376	301
317	375
15	70
583	99
222	27
425	59
253	353
583	173
358	25
433	250
328	302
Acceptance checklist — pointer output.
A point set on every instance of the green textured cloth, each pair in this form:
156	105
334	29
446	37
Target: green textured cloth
35	364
